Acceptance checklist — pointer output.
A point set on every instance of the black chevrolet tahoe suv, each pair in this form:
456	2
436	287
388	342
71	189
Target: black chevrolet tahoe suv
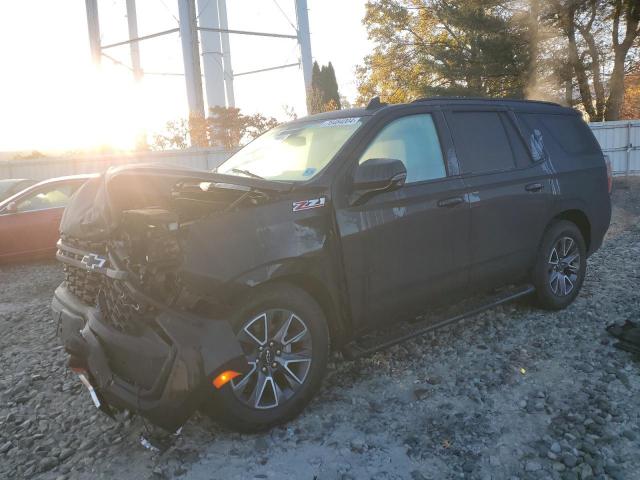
226	290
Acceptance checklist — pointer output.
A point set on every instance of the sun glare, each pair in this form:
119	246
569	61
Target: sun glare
108	110
95	109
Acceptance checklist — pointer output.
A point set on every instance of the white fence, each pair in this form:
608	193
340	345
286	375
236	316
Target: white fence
619	140
49	167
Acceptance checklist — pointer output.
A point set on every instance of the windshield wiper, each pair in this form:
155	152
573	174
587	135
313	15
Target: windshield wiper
247	173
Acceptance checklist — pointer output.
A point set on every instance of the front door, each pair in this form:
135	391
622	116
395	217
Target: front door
405	249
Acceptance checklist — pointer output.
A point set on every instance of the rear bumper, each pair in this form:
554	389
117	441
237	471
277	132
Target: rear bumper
163	372
600	226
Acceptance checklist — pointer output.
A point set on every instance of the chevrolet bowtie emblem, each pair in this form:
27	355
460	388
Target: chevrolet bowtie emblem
93	261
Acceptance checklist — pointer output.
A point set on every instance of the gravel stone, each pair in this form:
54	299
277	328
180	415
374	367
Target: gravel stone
532	466
516	382
569	460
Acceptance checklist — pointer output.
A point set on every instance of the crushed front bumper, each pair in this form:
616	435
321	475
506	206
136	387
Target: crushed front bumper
163	372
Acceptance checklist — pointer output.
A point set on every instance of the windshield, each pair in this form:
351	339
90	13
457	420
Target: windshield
294	152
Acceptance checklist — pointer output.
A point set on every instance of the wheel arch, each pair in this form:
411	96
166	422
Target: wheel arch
328	299
333	313
580	219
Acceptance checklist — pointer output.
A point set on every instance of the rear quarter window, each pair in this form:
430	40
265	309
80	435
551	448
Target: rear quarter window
568	131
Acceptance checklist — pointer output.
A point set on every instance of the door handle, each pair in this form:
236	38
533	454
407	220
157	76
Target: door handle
534	187
450	202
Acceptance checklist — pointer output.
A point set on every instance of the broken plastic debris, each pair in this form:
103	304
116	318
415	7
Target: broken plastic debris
147	444
522	371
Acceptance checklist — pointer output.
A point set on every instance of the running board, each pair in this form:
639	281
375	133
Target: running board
427	323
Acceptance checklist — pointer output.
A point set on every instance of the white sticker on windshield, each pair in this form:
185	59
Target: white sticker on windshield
340	122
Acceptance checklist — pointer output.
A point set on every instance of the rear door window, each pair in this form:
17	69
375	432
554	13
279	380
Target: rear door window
481	142
414	141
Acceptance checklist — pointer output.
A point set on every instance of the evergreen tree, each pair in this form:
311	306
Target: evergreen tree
330	86
316	81
324	93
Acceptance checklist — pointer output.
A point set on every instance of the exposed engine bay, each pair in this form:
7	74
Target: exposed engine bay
132	324
141	227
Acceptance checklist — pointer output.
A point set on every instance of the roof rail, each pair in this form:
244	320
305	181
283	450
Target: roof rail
483	99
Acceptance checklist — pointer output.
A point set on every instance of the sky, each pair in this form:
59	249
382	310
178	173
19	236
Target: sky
52	98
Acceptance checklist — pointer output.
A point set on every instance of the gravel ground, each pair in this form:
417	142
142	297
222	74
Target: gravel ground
512	393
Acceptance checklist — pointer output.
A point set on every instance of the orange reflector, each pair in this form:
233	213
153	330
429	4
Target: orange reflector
224	378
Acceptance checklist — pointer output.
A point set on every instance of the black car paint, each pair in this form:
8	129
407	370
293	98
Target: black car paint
367	264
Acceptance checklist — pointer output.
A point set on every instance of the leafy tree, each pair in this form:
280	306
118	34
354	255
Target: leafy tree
225	128
228	128
439	47
631	105
576	51
324	94
599	37
176	136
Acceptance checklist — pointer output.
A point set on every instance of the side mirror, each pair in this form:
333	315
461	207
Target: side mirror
11	208
378	175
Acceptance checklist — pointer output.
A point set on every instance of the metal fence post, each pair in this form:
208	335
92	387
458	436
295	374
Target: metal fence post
626	173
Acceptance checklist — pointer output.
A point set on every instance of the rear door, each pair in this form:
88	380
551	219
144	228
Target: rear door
32	230
510	195
405	249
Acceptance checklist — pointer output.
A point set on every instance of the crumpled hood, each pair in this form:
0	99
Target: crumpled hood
94	210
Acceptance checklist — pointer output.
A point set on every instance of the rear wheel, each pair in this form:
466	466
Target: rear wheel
285	339
560	266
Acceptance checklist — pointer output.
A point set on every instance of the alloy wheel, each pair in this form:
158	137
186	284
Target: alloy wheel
563	266
277	345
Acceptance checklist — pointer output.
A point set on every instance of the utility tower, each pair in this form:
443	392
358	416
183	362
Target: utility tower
304	40
209	20
212	53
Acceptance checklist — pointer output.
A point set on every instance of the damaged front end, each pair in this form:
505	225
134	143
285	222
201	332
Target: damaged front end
144	339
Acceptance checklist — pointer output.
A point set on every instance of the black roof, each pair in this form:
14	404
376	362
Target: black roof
516	104
483	100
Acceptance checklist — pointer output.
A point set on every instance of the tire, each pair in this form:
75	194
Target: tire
240	406
558	274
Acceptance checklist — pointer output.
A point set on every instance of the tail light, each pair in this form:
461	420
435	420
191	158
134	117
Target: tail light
607	160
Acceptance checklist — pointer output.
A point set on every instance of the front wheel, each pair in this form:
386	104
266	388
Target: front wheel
560	266
284	335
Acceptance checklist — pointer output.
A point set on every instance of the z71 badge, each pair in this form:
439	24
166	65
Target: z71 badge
308	204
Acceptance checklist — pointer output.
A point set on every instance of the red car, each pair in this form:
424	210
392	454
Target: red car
29	220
